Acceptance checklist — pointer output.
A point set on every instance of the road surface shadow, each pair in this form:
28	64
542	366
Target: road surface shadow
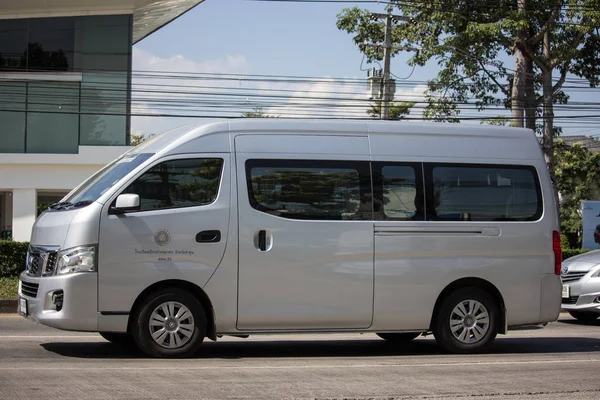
334	348
584	323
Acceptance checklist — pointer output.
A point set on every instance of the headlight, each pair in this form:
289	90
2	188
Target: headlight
596	274
76	259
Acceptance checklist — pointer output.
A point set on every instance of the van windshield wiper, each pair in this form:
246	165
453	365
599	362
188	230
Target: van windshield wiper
61	204
82	203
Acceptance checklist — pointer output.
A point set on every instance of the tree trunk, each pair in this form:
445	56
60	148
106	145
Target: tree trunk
519	79
548	134
530	105
518	90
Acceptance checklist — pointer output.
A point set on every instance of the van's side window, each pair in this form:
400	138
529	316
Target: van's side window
178	183
398	191
483	193
310	189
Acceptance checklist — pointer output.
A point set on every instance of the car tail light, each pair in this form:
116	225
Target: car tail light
557	252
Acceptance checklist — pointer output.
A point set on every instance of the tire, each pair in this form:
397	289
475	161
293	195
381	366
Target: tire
470	333
119	339
400	337
584	316
177	320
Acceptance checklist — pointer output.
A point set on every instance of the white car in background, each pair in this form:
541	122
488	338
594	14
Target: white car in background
581	286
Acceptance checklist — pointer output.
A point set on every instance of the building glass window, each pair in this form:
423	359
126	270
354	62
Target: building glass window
13	96
13	44
310	189
485	193
52	117
58	115
104	54
178	183
51	44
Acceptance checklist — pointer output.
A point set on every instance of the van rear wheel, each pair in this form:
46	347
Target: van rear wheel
399	337
171	323
467	321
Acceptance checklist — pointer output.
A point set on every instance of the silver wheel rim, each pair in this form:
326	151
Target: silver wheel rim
469	321
171	325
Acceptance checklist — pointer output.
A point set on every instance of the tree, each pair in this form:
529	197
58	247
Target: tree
139	138
578	179
397	111
257	112
468	38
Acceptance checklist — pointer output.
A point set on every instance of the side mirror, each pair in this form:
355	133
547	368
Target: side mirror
126	202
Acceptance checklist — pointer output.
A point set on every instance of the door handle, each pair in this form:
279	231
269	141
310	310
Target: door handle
262	240
208	237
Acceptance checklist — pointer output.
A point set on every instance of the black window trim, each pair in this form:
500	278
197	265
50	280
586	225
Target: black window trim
428	168
162	161
365	210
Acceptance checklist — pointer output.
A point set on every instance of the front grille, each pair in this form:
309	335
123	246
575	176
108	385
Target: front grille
41	261
29	289
571	300
572	276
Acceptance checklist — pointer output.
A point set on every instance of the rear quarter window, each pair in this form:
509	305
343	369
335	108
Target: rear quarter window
483	193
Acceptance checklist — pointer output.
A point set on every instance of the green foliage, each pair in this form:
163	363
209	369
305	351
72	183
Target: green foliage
577	179
9	288
469	38
397	111
42	207
138	139
568	253
498	121
564	241
12	258
257	112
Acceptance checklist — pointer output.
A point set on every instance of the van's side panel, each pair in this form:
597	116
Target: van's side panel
416	260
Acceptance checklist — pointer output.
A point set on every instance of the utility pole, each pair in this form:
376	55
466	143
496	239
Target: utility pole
385	104
386	83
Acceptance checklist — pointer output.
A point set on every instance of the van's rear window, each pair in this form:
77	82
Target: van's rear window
484	193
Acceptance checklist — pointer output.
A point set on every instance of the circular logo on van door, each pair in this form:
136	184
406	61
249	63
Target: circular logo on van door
162	237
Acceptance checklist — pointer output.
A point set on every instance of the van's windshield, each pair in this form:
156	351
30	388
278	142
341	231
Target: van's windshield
103	180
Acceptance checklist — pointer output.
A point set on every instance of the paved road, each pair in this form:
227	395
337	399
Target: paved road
557	362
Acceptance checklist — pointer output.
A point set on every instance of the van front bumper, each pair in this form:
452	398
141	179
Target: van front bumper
40	300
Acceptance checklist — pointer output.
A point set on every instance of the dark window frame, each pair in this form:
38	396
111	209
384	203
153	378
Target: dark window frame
219	180
365	209
430	196
378	206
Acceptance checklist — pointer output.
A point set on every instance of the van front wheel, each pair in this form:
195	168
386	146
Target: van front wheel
466	321
171	323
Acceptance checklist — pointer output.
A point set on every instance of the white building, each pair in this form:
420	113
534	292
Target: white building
65	95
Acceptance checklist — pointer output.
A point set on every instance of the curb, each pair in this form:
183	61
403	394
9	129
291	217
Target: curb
8	306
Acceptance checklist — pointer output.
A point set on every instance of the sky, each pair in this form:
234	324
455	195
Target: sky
270	38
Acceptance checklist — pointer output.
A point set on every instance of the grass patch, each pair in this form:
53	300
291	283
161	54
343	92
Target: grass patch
8	288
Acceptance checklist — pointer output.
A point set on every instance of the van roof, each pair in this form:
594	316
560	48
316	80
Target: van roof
170	140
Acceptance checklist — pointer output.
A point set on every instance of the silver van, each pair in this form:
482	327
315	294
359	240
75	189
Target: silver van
261	226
